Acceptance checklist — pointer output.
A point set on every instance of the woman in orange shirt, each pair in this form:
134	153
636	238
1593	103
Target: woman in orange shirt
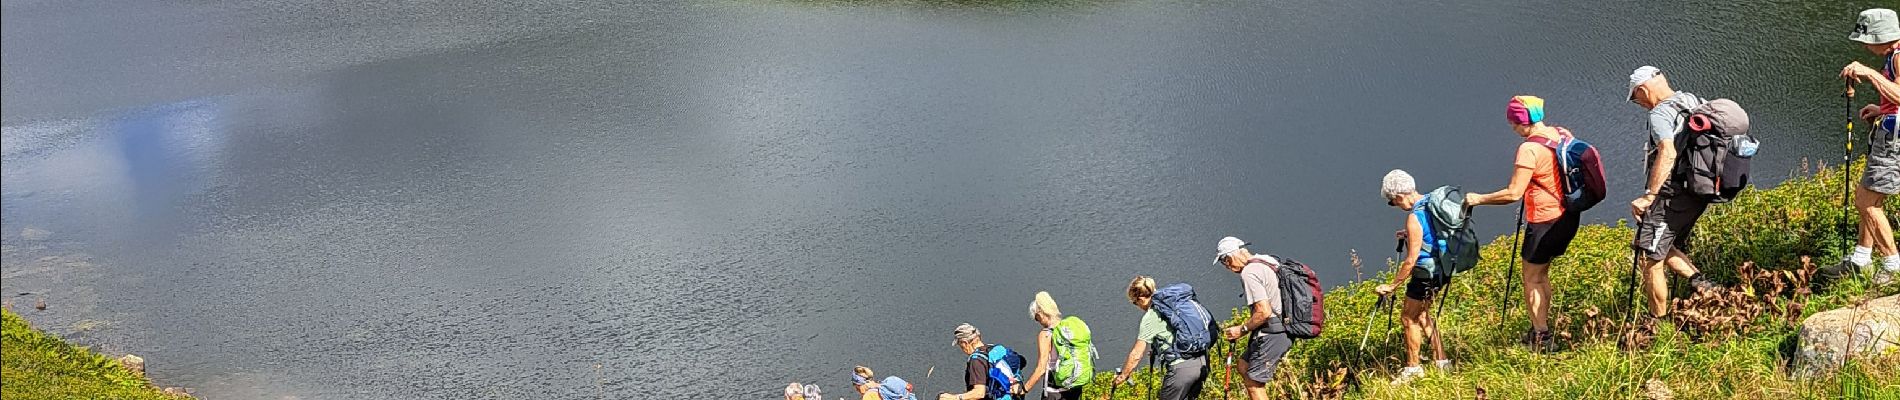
1534	181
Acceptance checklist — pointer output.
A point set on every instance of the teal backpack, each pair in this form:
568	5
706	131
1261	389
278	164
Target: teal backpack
1075	354
1455	248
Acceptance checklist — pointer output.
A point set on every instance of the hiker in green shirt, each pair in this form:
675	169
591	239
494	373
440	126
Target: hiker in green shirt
1184	376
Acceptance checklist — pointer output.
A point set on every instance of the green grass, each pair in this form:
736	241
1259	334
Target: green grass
1773	228
34	365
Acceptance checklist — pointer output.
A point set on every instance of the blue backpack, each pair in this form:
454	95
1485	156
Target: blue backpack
894	388
1193	327
1005	367
1579	172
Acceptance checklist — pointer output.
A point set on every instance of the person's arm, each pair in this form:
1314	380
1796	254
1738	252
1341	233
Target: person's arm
973	371
1659	171
1254	321
1134	359
1520	181
1889	90
1043	349
1414	245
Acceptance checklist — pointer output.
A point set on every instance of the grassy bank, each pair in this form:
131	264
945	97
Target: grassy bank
1734	346
34	365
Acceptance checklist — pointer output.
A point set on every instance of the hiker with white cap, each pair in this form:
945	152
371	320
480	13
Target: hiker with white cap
1665	214
1401	191
1261	286
1877	30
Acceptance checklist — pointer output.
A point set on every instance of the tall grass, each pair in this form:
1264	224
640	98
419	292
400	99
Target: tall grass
1774	229
34	365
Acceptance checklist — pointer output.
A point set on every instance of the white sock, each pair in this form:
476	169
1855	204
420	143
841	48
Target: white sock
1442	364
1862	256
1891	262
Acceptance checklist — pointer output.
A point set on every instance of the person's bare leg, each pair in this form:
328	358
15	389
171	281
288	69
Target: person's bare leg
1255	390
1431	326
1413	314
1872	216
1537	294
1656	283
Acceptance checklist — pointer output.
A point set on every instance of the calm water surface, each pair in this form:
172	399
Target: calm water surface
352	199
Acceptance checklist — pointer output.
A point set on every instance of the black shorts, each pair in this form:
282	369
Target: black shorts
1669	223
1544	242
1421	287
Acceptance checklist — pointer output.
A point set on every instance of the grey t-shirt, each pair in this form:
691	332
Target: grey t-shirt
1667	118
1262	284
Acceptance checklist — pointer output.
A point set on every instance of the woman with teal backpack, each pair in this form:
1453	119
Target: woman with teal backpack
1065	355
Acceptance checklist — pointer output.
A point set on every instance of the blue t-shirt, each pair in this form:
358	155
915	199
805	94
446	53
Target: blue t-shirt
1425	224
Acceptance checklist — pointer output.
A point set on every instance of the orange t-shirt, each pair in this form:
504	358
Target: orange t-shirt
1542	202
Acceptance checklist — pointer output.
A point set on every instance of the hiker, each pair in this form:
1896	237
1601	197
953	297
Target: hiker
1184	372
1877	30
1260	285
1064	355
1534	181
794	391
891	388
1415	273
991	372
1666	213
861	380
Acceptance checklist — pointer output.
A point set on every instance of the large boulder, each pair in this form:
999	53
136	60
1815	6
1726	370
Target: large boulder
1828	337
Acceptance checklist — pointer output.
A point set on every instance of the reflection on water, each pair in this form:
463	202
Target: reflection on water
364	200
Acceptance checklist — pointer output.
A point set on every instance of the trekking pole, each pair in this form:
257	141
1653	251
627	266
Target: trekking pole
1510	272
1112	385
1227	380
1370	308
1629	308
1847	154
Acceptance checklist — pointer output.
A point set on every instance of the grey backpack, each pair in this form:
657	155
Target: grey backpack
1713	151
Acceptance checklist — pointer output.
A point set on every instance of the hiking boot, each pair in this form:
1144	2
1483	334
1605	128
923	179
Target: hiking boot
1442	365
1702	283
1884	276
1408	374
1536	340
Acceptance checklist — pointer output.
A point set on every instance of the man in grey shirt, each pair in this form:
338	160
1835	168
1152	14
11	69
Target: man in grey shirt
1665	214
1261	284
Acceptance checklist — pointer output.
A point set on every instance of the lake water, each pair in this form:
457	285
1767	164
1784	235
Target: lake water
459	200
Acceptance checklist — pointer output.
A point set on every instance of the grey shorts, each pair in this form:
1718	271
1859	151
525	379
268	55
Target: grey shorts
1883	159
1183	381
1264	353
1669	223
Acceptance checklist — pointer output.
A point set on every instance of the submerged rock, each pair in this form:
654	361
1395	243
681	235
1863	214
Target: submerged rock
35	234
133	363
1828	337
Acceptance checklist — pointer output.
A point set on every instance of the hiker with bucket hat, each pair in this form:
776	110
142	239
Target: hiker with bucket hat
1877	30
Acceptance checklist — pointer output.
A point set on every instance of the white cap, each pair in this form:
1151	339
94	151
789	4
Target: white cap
1643	74
1227	245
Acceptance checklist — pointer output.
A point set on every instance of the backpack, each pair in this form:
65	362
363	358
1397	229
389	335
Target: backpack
1193	327
1075	354
1713	151
1302	300
1456	247
1005	366
1579	171
894	388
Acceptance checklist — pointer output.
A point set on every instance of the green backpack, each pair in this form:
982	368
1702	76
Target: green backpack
1075	353
1456	250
